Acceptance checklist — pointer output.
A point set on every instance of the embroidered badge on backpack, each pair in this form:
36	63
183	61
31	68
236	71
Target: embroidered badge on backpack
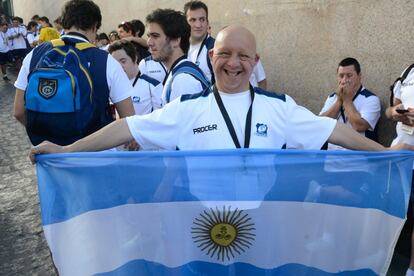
47	88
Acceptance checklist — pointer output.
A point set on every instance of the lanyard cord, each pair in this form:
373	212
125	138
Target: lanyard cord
201	46
136	79
230	127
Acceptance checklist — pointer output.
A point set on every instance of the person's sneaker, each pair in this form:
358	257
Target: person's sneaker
6	78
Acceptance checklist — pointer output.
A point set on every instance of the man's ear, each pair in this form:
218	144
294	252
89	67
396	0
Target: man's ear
95	29
211	53
175	42
256	59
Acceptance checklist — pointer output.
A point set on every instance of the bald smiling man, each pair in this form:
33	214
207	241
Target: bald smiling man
231	115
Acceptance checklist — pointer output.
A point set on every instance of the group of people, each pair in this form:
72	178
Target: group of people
197	92
17	39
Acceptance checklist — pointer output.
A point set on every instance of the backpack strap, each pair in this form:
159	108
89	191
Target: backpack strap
84	45
209	45
401	80
79	45
57	42
190	68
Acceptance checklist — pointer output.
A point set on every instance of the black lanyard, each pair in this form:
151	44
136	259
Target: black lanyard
201	46
342	110
136	79
230	126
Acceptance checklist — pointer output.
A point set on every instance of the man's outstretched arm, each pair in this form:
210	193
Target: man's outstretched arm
350	139
112	135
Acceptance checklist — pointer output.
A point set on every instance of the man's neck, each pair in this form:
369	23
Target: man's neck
243	89
177	53
133	74
357	89
88	34
194	41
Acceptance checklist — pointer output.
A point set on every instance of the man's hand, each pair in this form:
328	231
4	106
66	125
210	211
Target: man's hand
347	92
405	118
45	147
401	147
339	94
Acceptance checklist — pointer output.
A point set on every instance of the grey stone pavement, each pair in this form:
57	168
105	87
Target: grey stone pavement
23	248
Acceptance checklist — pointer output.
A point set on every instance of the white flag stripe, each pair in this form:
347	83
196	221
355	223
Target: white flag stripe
316	235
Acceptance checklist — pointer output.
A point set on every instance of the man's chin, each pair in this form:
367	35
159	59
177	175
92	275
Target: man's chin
232	89
198	37
156	58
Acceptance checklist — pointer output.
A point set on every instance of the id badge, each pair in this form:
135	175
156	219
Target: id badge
407	129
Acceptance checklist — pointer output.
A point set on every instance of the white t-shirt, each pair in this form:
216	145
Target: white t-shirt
181	84
258	74
191	123
4	46
146	94
18	42
366	103
32	37
237	105
193	51
118	83
152	68
405	93
201	59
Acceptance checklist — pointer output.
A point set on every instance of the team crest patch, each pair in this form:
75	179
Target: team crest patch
136	99
223	234
47	88
261	130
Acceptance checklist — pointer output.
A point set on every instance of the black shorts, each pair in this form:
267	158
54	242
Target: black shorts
5	57
19	53
412	196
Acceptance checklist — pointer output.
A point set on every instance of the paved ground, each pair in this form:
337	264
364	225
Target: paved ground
23	249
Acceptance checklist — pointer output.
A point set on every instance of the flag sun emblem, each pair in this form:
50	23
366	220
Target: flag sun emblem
223	234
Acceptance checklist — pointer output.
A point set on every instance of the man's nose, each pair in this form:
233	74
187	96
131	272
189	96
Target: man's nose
233	60
197	23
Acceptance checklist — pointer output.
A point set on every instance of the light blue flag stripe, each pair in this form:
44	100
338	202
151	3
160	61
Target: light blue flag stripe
104	180
239	269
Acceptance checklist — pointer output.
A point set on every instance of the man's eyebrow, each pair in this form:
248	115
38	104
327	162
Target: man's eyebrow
153	34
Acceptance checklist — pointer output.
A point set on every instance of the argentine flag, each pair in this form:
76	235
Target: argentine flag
223	212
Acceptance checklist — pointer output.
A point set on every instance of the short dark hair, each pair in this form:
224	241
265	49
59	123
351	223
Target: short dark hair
102	36
35	17
18	19
113	33
195	5
81	14
127	26
31	24
58	20
44	19
174	25
350	61
138	26
125	45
